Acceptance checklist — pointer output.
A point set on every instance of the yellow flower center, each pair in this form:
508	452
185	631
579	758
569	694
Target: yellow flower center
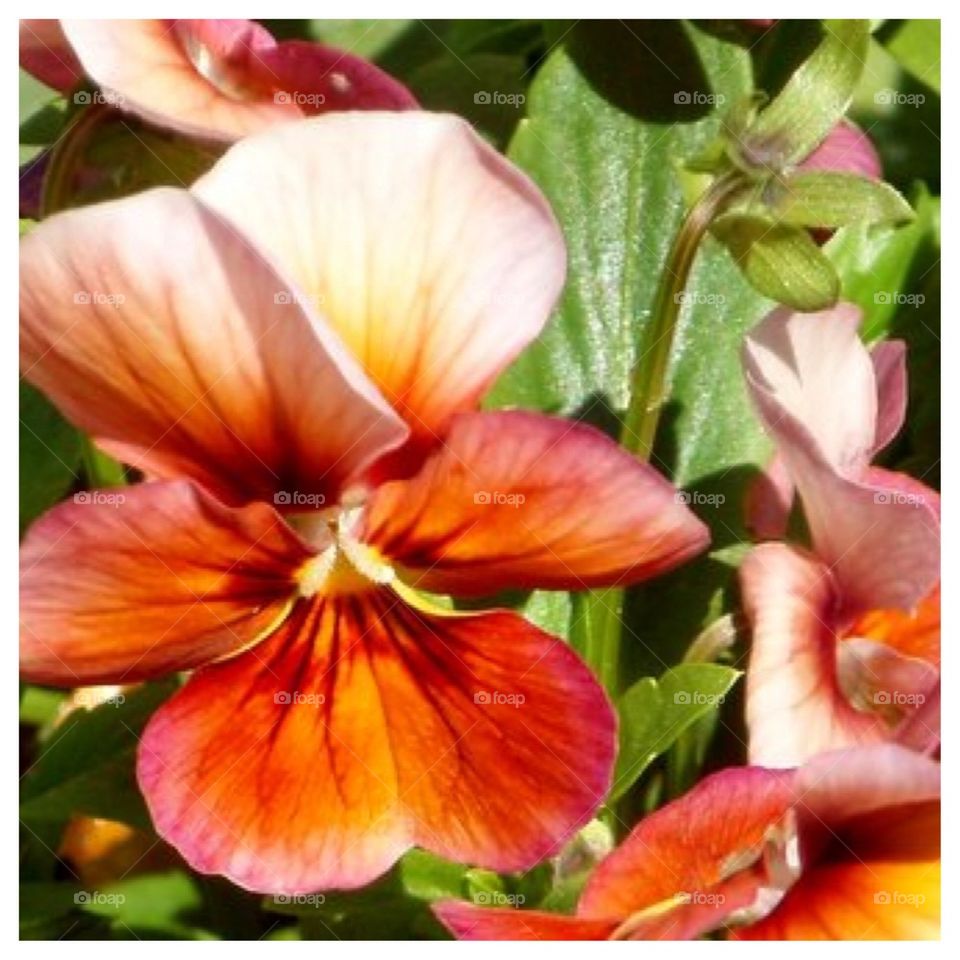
346	564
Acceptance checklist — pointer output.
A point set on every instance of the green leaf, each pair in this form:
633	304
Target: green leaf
600	142
780	261
605	140
831	199
87	764
426	876
50	451
915	44
42	113
882	266
812	100
486	88
151	905
654	714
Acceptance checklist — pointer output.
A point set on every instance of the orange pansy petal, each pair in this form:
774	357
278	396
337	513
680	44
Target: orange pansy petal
467	921
207	365
132	583
914	634
364	726
433	257
522	500
795	707
691	846
879	879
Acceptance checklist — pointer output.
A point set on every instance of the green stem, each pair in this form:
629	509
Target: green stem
649	392
601	611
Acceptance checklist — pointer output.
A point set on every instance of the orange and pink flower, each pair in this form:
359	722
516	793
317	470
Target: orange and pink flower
292	353
846	636
846	847
220	79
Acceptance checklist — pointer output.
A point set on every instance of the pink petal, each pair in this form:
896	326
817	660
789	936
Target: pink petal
45	53
467	921
320	79
521	500
814	385
434	258
795	707
834	788
195	81
769	501
846	149
890	366
158	328
127	584
689	848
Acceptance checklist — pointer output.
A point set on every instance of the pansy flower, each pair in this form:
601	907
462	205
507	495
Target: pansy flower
292	353
846	635
846	847
219	79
